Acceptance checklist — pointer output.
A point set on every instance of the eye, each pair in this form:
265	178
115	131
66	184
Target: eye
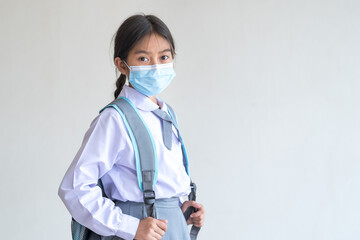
143	59
165	57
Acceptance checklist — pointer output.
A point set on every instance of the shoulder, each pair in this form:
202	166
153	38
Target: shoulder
108	118
169	107
109	113
171	110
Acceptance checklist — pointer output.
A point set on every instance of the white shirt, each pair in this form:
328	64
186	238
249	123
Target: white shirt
107	153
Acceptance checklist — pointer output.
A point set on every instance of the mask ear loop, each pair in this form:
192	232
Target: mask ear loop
127	77
126	64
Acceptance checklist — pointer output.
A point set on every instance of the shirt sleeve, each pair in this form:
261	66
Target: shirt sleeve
78	189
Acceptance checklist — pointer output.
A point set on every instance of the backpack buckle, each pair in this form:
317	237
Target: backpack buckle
149	196
192	194
193	186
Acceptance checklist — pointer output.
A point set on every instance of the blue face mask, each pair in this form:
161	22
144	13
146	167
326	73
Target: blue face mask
150	80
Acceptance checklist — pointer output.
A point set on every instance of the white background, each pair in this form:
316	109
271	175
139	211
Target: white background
267	95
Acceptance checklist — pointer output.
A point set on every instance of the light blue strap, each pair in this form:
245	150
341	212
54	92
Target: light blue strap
142	141
146	164
185	157
133	141
145	150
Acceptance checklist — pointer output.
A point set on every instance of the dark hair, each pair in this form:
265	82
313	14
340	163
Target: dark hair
130	32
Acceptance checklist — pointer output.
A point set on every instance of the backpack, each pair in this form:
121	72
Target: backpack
146	165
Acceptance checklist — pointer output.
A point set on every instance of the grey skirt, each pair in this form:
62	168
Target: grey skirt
166	209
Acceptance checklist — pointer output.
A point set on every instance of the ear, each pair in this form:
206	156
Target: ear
121	66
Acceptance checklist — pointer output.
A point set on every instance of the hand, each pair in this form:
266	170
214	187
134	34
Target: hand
196	218
150	229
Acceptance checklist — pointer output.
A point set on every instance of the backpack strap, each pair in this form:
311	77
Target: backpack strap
192	196
144	146
185	157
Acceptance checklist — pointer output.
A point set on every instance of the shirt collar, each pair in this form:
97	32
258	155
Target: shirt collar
141	101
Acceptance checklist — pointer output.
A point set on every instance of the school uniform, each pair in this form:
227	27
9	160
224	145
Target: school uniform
107	153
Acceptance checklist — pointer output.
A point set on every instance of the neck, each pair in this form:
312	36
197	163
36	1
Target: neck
153	98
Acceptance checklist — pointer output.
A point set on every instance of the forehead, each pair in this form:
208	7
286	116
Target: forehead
151	43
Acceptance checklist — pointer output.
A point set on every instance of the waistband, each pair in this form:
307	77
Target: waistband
161	202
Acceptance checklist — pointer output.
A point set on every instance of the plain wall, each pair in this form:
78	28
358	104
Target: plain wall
267	95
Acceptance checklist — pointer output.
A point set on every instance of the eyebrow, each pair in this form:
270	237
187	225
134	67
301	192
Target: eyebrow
146	52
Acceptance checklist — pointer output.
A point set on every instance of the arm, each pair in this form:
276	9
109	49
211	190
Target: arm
78	190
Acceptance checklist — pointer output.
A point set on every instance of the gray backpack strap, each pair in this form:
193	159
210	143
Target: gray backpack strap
192	196
185	158
146	164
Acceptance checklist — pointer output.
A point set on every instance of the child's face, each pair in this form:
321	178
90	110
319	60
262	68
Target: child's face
151	49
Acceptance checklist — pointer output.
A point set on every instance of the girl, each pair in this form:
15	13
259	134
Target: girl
144	52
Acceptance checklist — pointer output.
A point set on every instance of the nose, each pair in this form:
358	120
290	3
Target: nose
155	60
